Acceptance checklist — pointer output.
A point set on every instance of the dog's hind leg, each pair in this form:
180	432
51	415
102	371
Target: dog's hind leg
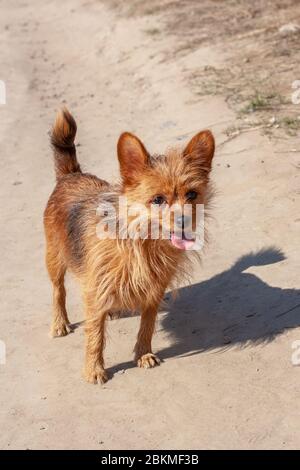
57	269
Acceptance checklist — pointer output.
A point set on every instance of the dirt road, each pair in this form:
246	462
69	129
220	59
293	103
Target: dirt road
227	378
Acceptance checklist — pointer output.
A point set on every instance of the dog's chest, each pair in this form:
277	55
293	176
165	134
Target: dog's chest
142	280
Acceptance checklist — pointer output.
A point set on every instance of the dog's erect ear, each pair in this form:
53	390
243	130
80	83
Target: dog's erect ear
133	157
201	149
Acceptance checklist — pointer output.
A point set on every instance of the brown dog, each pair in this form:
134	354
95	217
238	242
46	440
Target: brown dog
119	273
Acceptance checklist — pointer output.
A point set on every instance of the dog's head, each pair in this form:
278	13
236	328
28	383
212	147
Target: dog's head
169	187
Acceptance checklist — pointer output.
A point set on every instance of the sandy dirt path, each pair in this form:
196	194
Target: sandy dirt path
227	380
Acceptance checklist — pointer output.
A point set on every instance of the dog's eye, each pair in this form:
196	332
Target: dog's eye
159	200
191	195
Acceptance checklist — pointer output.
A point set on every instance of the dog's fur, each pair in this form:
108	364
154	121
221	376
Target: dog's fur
116	274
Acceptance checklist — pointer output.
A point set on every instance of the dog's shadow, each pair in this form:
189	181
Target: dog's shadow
232	309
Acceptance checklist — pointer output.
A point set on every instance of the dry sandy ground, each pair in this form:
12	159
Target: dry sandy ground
227	380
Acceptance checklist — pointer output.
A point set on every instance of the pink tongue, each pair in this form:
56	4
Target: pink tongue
181	243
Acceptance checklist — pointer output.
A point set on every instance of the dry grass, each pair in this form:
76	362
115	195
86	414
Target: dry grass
260	64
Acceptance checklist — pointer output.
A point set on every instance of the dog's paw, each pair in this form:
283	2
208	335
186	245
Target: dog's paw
148	360
60	329
96	376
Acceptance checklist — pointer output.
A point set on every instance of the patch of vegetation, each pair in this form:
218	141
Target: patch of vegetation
256	103
231	130
152	31
290	124
262	101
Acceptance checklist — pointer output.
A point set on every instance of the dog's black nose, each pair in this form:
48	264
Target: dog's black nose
183	221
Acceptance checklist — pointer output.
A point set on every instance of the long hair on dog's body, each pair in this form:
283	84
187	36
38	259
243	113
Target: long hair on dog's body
117	273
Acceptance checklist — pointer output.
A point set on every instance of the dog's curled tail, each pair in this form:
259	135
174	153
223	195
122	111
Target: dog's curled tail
62	141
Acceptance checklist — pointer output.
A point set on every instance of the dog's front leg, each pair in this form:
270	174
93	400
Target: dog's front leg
95	341
143	350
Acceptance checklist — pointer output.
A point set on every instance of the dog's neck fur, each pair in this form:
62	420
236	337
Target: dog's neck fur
129	274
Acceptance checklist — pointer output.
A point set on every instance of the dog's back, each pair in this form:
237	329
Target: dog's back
73	198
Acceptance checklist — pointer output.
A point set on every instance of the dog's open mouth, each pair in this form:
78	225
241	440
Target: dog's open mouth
180	241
